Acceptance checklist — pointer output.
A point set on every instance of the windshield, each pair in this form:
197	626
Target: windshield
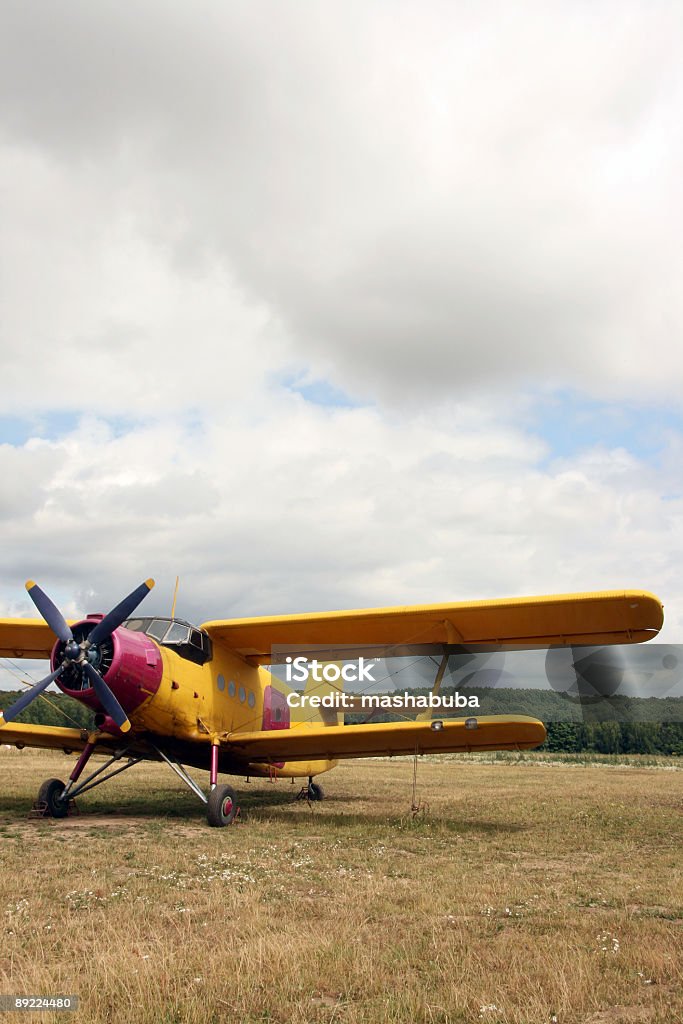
177	633
188	641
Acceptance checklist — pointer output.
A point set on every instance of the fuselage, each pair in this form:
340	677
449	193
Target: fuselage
184	701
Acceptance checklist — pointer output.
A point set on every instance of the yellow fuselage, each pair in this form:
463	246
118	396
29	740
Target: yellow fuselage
195	704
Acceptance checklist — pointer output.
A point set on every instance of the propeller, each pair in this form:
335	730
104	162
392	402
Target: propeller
106	626
9	714
106	697
49	611
589	674
84	653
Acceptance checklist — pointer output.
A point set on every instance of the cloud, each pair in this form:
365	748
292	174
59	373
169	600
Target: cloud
421	201
336	508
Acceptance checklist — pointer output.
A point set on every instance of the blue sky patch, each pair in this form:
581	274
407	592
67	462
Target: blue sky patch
321	392
17	430
570	423
51	426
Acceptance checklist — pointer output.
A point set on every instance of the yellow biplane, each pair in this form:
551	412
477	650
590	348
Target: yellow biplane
201	696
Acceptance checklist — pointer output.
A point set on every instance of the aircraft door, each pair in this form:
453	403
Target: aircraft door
275	709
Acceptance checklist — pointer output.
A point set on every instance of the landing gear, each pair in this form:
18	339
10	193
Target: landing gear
315	791
221	803
55	799
51	794
221	806
312	792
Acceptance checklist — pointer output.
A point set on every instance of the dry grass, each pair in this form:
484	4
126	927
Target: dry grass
523	893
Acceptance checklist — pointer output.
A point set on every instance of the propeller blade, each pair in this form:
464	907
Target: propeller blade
9	714
49	611
106	697
113	619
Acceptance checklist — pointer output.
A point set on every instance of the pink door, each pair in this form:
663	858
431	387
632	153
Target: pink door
275	710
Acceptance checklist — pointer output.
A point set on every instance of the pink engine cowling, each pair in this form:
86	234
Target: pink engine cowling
129	662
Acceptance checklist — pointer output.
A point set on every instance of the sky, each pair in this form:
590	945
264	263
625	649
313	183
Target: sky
324	306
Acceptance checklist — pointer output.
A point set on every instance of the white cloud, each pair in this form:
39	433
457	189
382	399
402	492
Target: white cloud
319	508
427	200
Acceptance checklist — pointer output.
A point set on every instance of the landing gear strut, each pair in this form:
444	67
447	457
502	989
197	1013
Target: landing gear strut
221	803
54	797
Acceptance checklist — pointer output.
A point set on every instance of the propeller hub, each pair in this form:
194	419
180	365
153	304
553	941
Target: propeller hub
72	651
77	653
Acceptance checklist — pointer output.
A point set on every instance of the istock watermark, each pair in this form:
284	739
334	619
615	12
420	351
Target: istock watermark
340	701
299	670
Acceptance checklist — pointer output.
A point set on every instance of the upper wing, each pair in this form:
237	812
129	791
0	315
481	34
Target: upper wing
499	732
25	638
609	617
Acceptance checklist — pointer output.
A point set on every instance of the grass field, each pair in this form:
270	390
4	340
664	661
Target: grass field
521	892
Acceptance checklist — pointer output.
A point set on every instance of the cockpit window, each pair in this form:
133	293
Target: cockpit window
181	637
177	634
157	628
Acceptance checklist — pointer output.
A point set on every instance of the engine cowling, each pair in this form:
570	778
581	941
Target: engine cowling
130	663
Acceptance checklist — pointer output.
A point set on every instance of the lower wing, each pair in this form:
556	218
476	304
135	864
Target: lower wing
308	743
54	737
496	732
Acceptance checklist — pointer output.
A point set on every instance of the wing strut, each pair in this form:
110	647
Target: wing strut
426	716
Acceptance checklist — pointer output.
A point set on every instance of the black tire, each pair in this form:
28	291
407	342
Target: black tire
49	794
315	791
222	806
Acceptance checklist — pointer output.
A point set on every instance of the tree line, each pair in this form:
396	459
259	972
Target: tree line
607	725
54	709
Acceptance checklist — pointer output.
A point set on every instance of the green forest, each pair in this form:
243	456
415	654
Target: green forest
51	709
614	725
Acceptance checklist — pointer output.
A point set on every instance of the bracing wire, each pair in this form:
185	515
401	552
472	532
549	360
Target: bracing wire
17	673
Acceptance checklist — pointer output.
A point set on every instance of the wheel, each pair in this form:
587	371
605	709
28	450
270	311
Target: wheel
222	806
315	791
50	793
